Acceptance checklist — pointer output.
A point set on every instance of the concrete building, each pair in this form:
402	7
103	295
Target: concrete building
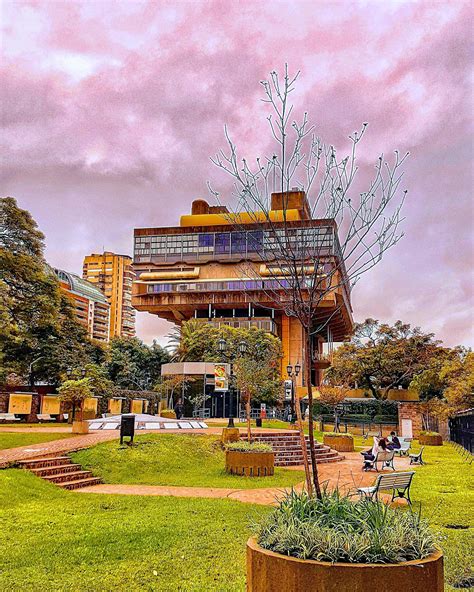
90	305
113	275
195	270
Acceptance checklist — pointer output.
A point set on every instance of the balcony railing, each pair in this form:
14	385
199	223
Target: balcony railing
267	325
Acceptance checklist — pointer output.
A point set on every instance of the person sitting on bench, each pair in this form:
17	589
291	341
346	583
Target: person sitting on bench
380	445
394	443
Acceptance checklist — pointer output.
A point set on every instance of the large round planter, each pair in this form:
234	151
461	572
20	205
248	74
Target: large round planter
250	464
230	435
430	440
272	572
168	414
339	442
80	427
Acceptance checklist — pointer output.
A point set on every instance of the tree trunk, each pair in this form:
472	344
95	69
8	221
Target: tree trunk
247	411
308	361
307	470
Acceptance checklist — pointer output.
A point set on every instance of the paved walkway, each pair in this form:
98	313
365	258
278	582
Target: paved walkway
11	455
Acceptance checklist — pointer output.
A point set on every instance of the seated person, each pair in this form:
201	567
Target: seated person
380	445
394	443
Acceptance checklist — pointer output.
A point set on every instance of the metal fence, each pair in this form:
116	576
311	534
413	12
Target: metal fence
461	429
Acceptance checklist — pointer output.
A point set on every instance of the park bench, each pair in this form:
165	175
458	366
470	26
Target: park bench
8	417
45	417
404	449
398	483
386	458
417	459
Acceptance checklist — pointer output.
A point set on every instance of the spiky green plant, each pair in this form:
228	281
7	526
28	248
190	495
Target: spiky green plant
337	529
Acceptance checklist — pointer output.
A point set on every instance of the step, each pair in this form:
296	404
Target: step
59	469
67	477
37	463
80	483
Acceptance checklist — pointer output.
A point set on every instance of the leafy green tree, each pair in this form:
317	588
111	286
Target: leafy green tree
381	357
196	341
134	365
29	291
76	392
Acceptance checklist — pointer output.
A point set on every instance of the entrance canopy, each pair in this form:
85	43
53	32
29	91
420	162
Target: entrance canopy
189	368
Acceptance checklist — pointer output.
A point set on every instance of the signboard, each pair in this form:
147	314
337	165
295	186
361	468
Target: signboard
221	378
115	406
90	408
288	390
50	405
20	404
137	406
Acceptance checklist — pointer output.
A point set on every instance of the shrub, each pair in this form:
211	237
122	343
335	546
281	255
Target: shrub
428	433
244	446
385	419
339	434
336	529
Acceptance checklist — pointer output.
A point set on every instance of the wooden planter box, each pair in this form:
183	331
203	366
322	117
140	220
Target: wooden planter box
270	572
80	427
251	464
339	442
168	414
430	440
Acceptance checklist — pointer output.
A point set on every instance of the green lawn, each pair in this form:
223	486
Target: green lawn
173	459
13	439
445	489
58	540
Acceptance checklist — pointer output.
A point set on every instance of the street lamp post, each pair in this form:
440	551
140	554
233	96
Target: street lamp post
293	374
222	346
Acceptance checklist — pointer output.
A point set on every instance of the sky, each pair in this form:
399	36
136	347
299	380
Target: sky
112	110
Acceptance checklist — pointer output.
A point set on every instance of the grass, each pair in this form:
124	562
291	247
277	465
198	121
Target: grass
14	439
54	540
445	489
173	459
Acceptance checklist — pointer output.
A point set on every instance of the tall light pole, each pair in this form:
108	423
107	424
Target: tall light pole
293	375
222	346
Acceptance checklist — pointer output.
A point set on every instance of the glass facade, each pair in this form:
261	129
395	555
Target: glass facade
206	246
215	286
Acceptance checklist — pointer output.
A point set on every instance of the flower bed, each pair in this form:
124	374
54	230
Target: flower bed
322	545
430	439
339	442
250	459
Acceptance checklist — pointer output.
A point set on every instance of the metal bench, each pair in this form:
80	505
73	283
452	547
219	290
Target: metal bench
45	417
8	417
386	458
417	459
398	483
404	449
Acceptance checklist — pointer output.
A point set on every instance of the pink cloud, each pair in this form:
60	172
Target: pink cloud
111	111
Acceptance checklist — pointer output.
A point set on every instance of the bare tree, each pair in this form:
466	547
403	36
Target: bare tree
311	261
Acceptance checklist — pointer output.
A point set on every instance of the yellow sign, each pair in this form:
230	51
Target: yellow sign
20	404
220	377
50	405
115	406
137	406
90	408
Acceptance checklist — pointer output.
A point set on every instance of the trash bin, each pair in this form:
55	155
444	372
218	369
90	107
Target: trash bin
258	422
127	427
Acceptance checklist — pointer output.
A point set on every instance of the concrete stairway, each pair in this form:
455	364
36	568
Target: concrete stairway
287	448
61	471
